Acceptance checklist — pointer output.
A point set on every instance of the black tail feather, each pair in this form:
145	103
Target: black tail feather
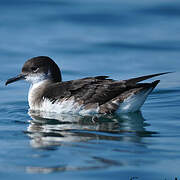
155	83
142	78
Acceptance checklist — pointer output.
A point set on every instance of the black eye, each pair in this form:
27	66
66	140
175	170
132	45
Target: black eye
34	69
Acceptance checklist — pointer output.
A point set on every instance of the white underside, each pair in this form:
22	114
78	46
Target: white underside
66	106
134	102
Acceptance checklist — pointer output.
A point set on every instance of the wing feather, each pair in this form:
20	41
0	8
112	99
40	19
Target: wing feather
97	89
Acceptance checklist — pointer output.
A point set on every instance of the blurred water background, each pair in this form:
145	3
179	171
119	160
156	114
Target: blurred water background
121	39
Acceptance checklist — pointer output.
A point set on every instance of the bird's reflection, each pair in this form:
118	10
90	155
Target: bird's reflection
51	130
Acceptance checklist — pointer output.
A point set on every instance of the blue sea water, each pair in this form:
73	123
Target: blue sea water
122	39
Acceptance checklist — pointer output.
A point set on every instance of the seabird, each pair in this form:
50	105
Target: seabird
90	95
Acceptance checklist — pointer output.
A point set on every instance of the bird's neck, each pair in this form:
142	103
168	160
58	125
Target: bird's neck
36	92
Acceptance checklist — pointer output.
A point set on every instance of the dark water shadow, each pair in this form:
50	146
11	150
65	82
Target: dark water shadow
51	132
34	3
96	18
169	10
146	46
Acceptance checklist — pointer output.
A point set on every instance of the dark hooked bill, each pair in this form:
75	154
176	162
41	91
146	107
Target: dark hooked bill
17	78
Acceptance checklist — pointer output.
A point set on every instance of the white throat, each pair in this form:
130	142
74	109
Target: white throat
38	77
35	91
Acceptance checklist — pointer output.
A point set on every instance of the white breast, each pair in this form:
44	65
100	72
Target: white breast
66	106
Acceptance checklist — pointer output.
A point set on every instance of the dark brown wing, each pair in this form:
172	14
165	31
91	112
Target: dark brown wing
95	89
86	90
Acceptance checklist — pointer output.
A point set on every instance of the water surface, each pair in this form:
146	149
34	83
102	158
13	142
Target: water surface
121	39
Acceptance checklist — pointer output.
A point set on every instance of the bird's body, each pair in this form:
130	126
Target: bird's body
89	95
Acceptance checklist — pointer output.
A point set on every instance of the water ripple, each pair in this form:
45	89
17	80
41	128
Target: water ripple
167	10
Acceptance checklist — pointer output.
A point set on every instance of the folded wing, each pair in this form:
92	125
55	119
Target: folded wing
100	92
